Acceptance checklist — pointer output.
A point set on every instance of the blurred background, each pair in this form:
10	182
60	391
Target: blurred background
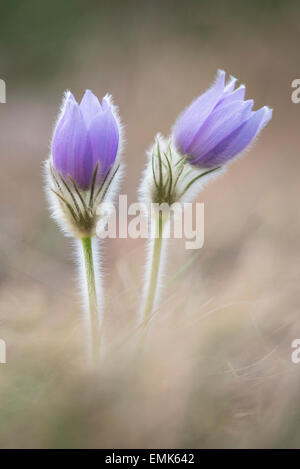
216	371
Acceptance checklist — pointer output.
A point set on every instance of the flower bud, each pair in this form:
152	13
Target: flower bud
218	125
83	168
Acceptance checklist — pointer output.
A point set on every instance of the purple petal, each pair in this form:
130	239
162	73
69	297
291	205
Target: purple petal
105	104
195	115
104	138
71	150
69	99
66	108
221	123
230	85
90	107
236	95
266	118
239	139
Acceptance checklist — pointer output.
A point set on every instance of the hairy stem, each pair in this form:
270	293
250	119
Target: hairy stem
154	270
94	323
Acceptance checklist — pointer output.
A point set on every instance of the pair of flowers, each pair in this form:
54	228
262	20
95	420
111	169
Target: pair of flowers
85	165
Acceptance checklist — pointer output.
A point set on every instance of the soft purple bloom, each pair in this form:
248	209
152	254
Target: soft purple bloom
85	134
219	124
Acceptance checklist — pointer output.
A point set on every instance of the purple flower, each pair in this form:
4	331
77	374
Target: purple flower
86	134
218	125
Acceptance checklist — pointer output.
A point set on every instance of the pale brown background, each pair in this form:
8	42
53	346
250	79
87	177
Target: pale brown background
216	371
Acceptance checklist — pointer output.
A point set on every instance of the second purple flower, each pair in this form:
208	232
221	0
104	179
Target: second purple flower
218	125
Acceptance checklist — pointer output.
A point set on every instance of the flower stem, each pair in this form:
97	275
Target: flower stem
154	270
94	323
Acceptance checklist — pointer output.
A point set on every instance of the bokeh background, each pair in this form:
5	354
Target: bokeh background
216	371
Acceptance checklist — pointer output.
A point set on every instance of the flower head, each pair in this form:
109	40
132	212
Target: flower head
83	168
86	134
218	125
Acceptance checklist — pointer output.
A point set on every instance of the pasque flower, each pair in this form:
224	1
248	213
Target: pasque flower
218	125
81	173
86	134
84	161
213	130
